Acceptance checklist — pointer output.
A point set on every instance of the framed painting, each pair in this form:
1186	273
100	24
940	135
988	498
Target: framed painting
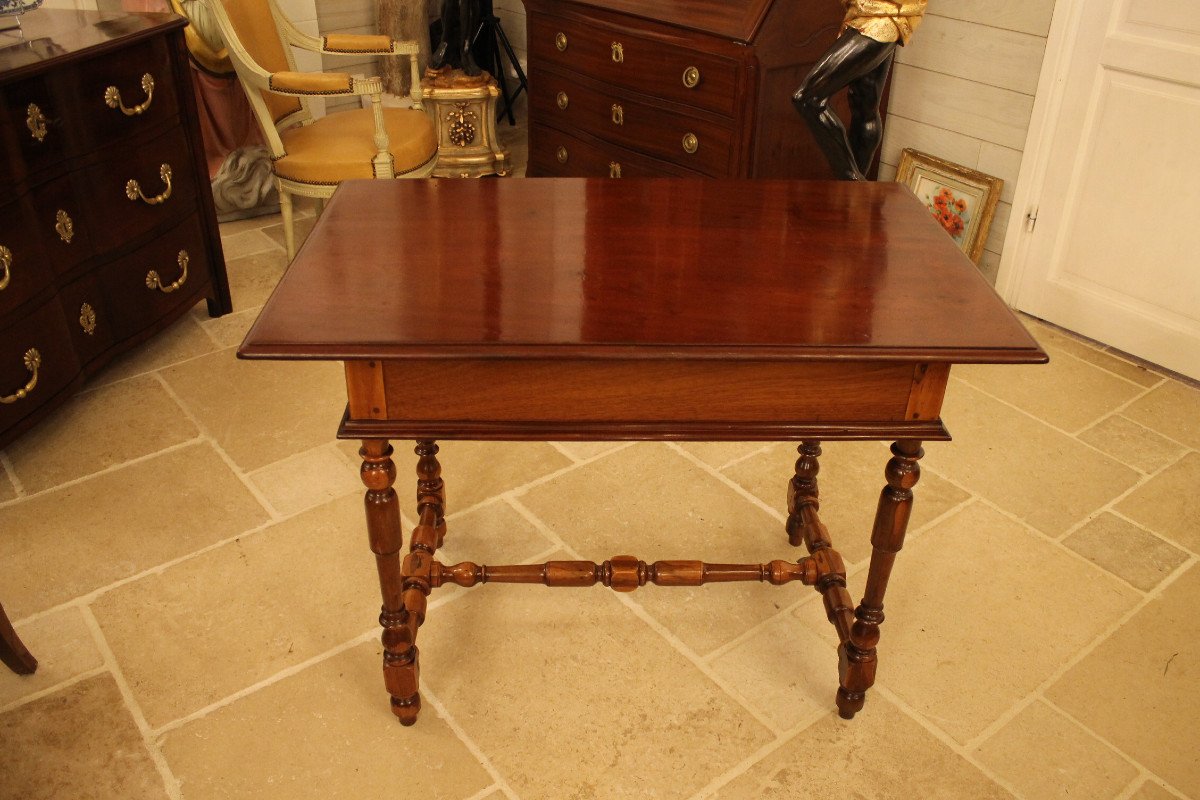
962	200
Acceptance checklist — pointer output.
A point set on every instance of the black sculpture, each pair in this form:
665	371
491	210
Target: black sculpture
458	29
859	61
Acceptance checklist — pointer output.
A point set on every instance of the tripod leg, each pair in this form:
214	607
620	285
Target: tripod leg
498	39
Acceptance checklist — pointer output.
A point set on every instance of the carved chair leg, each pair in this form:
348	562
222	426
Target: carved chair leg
12	649
857	657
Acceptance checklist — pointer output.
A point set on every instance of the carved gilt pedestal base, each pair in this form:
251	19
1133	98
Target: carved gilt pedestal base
464	115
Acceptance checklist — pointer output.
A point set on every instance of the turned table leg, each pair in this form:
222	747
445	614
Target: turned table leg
857	659
12	650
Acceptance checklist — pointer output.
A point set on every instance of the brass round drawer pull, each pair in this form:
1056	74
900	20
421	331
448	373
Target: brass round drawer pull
35	120
64	226
563	100
133	189
560	41
33	362
87	319
614	169
155	282
690	143
6	265
618	53
618	114
691	77
112	97
561	153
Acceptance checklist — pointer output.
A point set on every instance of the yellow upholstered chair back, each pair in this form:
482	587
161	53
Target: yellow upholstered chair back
257	30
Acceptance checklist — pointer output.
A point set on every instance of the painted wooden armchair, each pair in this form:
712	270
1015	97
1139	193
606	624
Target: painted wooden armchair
312	156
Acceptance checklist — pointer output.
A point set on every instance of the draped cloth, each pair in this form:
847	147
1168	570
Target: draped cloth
885	20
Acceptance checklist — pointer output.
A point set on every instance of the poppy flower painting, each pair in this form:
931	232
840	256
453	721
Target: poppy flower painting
961	200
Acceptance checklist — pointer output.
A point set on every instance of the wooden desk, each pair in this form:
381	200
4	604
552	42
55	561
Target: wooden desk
639	309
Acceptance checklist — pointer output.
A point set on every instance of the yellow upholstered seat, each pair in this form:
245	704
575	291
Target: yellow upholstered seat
311	156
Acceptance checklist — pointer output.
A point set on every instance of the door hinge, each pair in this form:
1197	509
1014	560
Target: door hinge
1031	220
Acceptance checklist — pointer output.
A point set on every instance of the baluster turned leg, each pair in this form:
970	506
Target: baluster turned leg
857	652
802	492
431	490
383	525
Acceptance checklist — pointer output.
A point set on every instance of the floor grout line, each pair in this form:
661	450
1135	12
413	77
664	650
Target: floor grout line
9	470
498	779
61	686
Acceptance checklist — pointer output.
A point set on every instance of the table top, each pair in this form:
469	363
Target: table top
634	269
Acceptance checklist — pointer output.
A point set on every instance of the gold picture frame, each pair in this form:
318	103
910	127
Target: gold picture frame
962	200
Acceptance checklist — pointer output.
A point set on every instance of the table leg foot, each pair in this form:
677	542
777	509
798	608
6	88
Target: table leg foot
407	710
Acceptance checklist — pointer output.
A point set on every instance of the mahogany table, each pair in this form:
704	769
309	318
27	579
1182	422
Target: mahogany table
572	309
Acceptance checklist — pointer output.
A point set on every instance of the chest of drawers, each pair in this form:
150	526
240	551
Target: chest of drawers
696	88
107	227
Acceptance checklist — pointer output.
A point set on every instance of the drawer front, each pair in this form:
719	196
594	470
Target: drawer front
36	362
169	271
692	143
23	271
635	61
89	317
164	188
112	99
553	153
62	221
34	127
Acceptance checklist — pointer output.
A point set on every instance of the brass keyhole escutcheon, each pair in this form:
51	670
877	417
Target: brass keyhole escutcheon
691	77
560	41
618	53
618	114
35	120
87	319
614	169
562	155
690	143
64	226
6	259
563	100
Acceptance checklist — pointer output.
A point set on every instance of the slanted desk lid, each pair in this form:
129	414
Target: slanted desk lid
738	20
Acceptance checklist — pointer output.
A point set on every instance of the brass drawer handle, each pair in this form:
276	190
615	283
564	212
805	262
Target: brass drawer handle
155	282
560	41
563	100
87	319
133	189
112	97
618	115
614	169
64	226
690	143
35	120
6	263
562	154
618	53
691	77
33	362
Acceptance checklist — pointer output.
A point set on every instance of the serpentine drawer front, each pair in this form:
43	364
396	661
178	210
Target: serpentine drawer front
113	235
696	87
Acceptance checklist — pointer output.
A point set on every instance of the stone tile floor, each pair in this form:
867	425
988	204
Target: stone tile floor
182	546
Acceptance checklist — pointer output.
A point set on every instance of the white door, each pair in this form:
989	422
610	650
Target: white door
1113	173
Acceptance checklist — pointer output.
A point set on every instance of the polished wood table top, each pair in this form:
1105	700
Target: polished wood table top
655	268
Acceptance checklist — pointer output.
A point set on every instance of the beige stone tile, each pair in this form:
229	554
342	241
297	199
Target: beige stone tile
252	278
7	490
493	533
303	227
1138	688
784	671
1067	393
850	479
97	430
209	626
1169	504
261	412
71	541
1126	551
582	451
1089	351
63	646
231	329
1151	791
326	732
965	610
653	503
1044	754
307	479
1027	468
1173	410
718	454
245	243
1132	444
184	340
249	224
882	754
576	674
79	743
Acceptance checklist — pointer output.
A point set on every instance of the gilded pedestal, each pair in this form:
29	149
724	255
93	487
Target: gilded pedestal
464	114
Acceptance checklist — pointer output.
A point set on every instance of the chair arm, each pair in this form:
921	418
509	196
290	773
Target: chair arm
322	83
347	43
